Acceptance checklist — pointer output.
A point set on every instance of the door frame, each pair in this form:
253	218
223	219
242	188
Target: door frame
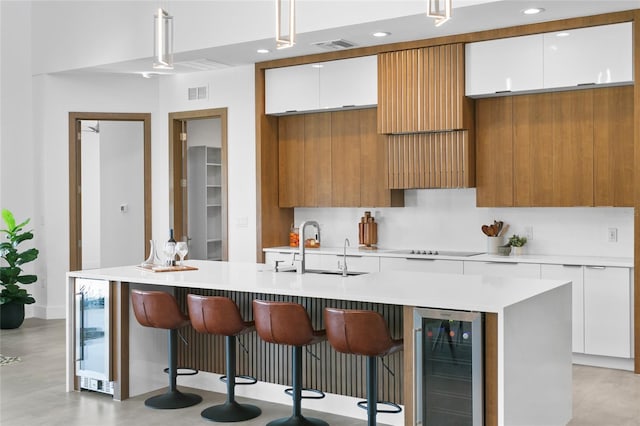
176	167
75	197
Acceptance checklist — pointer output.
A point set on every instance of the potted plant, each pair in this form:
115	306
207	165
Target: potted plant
517	242
13	297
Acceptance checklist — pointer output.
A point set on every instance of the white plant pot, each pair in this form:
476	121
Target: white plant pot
517	251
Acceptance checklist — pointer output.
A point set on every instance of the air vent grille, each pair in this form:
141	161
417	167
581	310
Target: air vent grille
194	93
338	44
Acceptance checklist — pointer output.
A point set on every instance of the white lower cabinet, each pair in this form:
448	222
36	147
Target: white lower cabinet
607	311
502	269
420	265
575	274
355	263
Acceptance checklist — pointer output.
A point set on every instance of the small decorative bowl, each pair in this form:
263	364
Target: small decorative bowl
504	250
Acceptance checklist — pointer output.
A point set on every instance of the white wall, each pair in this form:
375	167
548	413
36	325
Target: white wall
231	88
448	219
18	159
207	132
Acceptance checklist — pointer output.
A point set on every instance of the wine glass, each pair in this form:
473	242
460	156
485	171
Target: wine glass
170	252
182	249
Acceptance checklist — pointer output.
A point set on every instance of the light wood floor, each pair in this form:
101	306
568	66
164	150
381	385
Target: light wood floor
32	392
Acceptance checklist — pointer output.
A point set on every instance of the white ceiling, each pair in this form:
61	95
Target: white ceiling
472	15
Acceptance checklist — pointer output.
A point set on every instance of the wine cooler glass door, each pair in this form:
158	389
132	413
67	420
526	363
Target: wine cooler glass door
92	329
448	368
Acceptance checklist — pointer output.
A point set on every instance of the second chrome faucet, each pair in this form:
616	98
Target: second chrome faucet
343	267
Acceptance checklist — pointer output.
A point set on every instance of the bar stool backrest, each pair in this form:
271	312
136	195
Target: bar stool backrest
157	309
284	323
359	332
216	315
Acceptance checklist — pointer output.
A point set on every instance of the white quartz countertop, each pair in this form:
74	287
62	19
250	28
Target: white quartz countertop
625	262
444	291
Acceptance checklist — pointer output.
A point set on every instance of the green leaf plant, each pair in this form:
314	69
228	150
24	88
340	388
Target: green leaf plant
11	275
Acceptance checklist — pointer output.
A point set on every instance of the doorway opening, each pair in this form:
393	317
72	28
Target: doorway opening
109	189
198	184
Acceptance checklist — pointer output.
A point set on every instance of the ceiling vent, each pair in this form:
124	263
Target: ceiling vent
338	44
200	65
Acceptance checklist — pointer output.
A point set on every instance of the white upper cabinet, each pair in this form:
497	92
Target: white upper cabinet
595	55
322	86
504	65
291	89
349	82
563	59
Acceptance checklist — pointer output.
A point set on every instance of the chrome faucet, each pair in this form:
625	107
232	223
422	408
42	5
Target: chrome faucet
343	267
300	264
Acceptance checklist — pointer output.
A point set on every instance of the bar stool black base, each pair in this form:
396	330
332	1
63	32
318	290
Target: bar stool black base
298	421
231	412
173	399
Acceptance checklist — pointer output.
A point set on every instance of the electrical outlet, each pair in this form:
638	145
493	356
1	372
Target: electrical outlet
528	232
612	235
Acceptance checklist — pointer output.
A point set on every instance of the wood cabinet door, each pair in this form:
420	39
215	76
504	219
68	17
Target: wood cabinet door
317	160
345	158
613	146
494	152
398	89
374	185
533	150
573	148
290	160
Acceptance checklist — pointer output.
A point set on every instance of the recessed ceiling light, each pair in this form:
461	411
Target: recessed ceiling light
533	11
317	65
563	34
381	34
263	51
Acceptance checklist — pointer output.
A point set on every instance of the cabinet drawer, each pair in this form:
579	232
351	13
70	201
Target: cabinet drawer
503	269
420	265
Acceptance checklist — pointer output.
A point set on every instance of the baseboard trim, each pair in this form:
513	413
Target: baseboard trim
45	312
604	361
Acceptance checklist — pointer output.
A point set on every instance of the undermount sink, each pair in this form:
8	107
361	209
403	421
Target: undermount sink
320	271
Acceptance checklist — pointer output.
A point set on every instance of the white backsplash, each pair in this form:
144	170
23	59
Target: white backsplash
449	219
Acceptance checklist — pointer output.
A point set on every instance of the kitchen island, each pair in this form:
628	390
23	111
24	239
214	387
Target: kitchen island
527	326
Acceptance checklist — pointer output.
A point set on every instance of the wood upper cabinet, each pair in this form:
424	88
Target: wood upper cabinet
317	160
290	160
533	150
571	148
422	90
334	159
494	159
345	158
613	146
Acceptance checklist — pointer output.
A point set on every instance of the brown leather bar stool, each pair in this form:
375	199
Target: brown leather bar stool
158	309
287	323
359	332
221	316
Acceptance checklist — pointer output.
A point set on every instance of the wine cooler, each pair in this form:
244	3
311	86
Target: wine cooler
93	349
448	368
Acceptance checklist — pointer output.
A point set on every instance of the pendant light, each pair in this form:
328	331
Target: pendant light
285	40
439	9
163	40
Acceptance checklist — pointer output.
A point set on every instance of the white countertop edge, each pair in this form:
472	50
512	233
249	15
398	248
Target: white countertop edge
442	291
623	262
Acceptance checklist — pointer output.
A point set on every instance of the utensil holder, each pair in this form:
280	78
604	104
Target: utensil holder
493	243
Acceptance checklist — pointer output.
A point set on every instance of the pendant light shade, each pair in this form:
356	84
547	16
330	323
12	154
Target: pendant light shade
439	9
285	23
163	40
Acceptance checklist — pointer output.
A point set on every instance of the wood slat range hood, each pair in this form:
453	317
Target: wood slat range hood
427	118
